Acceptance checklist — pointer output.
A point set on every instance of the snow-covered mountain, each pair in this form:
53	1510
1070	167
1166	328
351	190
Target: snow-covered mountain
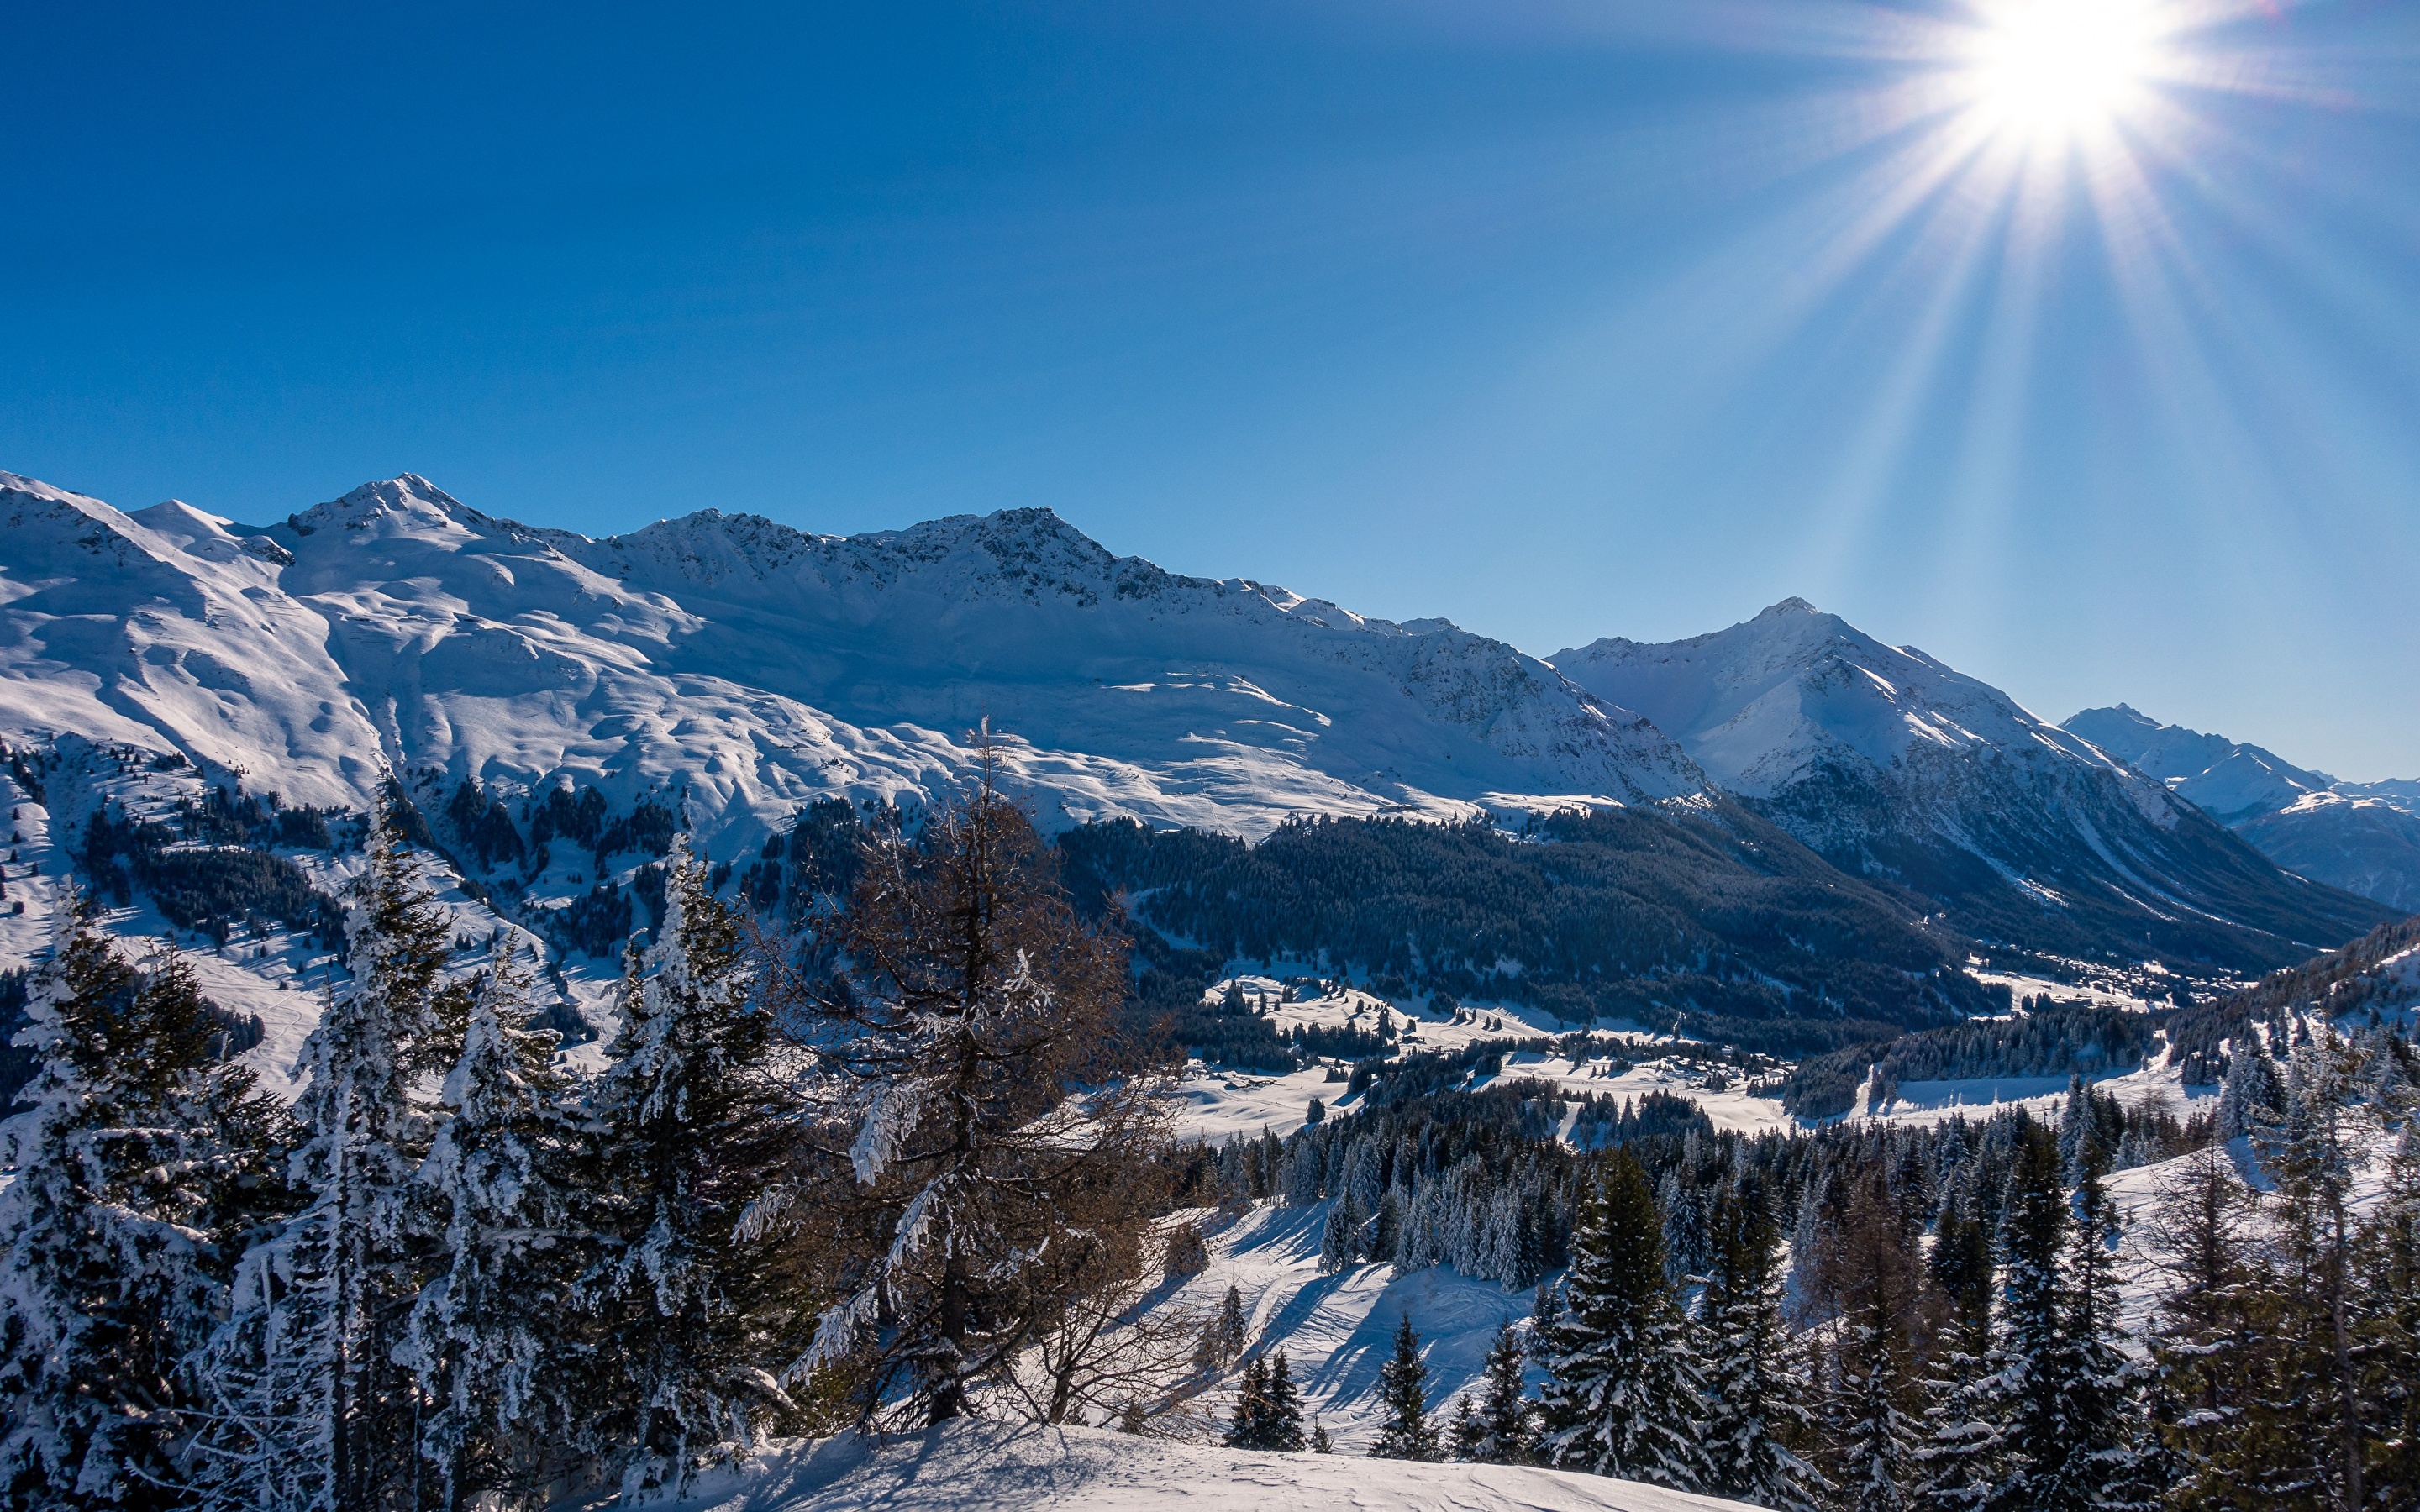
2362	837
1896	766
758	667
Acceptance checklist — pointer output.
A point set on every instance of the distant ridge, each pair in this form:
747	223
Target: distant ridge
1899	768
2362	837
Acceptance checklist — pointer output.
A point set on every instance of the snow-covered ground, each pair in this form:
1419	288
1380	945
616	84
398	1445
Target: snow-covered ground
1003	1468
1215	1104
1338	1329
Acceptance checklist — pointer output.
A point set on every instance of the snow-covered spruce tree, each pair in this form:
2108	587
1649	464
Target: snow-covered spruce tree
2198	1242
1756	1399
1285	1432
2104	1412
1622	1393
1953	1460
1875	1435
128	1156
2254	1092
485	1331
690	1299
2387	1325
1502	1428
312	1411
2028	1396
2310	1153
991	1108
1402	1392
1248	1420
1884	1307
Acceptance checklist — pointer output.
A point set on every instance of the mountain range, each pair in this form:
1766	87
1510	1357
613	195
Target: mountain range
2362	837
1900	769
738	669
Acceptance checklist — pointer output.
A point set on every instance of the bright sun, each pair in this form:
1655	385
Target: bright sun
2051	73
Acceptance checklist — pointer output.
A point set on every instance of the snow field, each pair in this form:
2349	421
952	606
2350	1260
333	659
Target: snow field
1005	1468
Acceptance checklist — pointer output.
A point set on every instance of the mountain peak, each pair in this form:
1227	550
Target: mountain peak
404	499
1794	605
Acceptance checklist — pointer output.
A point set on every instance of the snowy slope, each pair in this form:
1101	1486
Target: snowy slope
1897	768
2362	837
1005	1468
761	666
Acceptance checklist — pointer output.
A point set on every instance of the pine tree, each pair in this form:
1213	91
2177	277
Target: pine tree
1268	1410
1402	1393
691	1293
126	1159
1754	1399
1248	1421
1339	1241
2203	1343
2101	1465
2309	1152
1884	1305
1876	1436
482	1333
1223	1337
2387	1325
1621	1394
1284	1433
1319	1442
314	1412
2031	1392
1502	1428
1467	1435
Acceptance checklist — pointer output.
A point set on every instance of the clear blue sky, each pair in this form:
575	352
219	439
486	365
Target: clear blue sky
1559	319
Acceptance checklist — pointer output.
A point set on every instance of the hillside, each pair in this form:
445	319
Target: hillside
2362	837
1902	770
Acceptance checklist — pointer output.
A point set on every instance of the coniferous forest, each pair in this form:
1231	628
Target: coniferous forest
901	1156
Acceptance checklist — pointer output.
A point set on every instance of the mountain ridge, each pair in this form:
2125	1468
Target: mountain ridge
1899	768
770	666
2362	837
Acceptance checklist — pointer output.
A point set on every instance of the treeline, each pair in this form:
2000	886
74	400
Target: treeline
798	1194
2048	1042
202	879
1720	924
2341	984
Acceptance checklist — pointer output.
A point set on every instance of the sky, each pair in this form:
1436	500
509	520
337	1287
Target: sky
1559	319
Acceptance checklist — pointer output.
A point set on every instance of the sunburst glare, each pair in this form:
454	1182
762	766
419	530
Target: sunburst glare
2054	72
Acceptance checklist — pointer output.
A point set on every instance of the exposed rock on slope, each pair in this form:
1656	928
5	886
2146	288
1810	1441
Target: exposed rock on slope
2362	837
1897	767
